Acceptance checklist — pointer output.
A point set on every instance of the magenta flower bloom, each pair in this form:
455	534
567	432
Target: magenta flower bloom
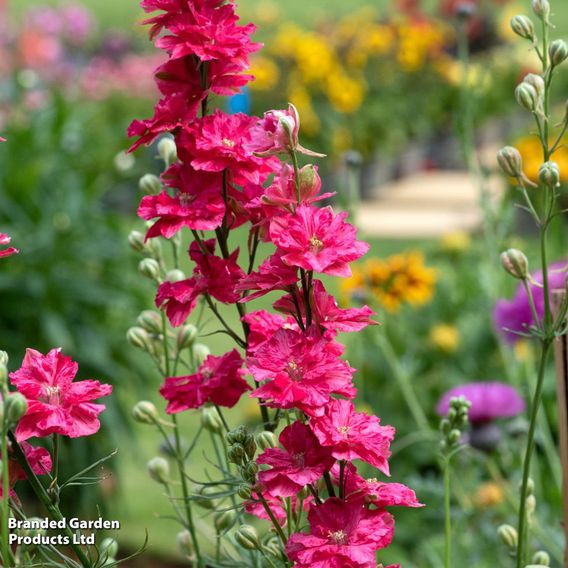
489	401
301	462
263	325
56	405
218	380
218	142
213	275
5	240
197	203
38	458
299	371
353	435
510	316
316	239
344	534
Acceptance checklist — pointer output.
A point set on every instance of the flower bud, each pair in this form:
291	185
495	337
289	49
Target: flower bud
145	412
250	472
225	520
558	51
203	496
108	548
244	492
266	439
508	535
31	532
3	374
175	275
537	83
250	447
247	537
200	353
454	437
186	336
510	161
531	505
136	241
237	435
149	268
140	338
154	248
167	150
542	9
3	358
15	406
210	419
549	174
530	486
184	543
236	453
150	184
159	470
515	263
541	558
527	96
523	27
151	321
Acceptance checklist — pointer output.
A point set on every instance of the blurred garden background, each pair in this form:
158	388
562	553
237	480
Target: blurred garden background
410	102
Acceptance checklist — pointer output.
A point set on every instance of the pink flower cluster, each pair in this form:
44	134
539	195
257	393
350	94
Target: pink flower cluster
231	171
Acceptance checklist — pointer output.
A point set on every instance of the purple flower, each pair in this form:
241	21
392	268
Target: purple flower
489	401
515	314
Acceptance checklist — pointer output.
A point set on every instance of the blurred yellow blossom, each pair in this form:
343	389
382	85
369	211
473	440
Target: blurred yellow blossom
417	42
341	140
489	494
531	152
345	93
445	337
478	76
522	350
284	44
300	97
266	73
315	57
455	242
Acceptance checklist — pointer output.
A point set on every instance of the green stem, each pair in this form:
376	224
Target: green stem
447	516
296	174
5	500
522	523
42	495
273	519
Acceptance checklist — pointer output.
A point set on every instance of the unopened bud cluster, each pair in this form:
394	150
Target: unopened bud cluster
241	452
452	426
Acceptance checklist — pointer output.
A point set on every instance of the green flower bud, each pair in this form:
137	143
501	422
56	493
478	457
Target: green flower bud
167	150
33	531
549	174
541	558
266	439
250	447
144	412
108	548
150	184
454	437
186	336
151	321
139	338
210	419
136	241
3	358
200	353
515	263
225	520
159	470
244	492
523	27
149	268
250	472
3	374
154	248
558	51
237	435
185	544
236	453
508	535
530	486
247	537
527	96
175	275
15	406
531	505
537	83
203	496
542	9
510	161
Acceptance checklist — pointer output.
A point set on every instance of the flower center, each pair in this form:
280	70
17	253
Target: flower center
372	480
52	394
343	430
294	370
316	243
185	199
228	143
299	459
206	374
339	537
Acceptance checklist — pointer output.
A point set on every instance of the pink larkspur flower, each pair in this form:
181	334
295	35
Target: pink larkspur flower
218	380
343	534
56	404
5	240
353	435
263	325
299	371
38	459
301	462
218	142
317	239
213	275
197	203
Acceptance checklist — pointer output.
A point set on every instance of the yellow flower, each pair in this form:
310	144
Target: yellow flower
315	57
351	286
456	242
286	39
522	350
345	93
266	74
531	152
478	77
489	494
445	337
